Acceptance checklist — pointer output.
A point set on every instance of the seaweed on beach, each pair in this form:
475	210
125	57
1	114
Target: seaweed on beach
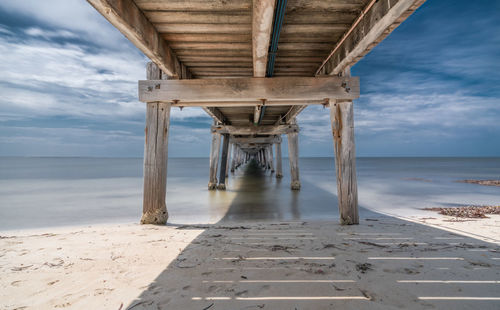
467	211
482	182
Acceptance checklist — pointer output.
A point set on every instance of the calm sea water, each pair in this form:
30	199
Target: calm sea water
42	192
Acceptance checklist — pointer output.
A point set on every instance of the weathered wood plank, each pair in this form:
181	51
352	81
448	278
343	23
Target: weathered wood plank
260	130
379	21
173	17
313	29
204	28
246	89
223	164
262	26
155	163
195	5
214	160
325	6
293	156
210	46
250	139
279	166
129	19
240	104
216	114
342	120
207	37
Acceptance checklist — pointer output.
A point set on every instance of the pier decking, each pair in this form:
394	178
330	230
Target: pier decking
253	66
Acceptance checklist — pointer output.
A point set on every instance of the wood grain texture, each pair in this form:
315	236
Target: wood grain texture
279	166
214	160
245	89
382	18
256	130
293	156
262	26
223	164
342	121
129	19
155	163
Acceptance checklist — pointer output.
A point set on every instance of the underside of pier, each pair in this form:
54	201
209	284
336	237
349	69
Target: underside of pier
253	66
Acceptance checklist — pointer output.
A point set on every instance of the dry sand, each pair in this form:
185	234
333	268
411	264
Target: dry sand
383	263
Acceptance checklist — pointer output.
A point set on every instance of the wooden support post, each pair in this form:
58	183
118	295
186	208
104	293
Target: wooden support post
271	157
223	164
235	157
342	120
228	158
154	209
214	160
279	167
293	156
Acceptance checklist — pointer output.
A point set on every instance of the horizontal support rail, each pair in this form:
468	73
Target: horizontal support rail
256	130
249	89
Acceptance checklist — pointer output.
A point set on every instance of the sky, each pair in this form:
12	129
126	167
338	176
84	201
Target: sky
68	87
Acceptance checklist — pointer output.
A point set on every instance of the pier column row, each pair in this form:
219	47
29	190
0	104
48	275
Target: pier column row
279	167
154	209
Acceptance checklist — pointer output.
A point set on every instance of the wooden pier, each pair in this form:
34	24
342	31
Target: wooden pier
253	66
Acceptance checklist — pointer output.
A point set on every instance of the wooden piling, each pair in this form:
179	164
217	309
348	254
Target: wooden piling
154	209
214	160
279	167
293	156
223	164
342	121
228	158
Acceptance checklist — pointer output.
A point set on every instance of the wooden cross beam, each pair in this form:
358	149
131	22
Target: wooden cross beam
256	130
267	140
249	89
129	19
373	25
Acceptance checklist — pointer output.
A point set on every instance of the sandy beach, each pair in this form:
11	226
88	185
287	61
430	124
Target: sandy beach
384	263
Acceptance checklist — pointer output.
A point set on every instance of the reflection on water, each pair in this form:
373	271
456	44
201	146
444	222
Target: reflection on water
36	192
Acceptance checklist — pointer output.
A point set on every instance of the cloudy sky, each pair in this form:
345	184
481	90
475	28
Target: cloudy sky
68	87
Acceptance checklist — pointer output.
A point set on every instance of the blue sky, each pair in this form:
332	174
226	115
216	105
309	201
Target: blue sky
68	87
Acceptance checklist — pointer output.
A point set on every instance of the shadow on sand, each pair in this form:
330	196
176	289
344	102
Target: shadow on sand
263	255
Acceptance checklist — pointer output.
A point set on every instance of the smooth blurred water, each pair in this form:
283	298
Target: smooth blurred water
41	192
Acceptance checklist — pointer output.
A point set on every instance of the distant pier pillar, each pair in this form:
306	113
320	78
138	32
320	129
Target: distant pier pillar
271	157
234	157
154	209
214	160
293	156
342	121
228	158
279	167
223	164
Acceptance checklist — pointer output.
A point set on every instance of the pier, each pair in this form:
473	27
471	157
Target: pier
253	66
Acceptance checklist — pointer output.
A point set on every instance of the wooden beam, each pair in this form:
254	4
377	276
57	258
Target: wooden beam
194	5
236	104
133	24
293	112
262	26
247	89
342	120
373	26
252	130
216	114
256	140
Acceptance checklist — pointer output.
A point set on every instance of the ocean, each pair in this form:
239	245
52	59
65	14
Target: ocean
46	192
